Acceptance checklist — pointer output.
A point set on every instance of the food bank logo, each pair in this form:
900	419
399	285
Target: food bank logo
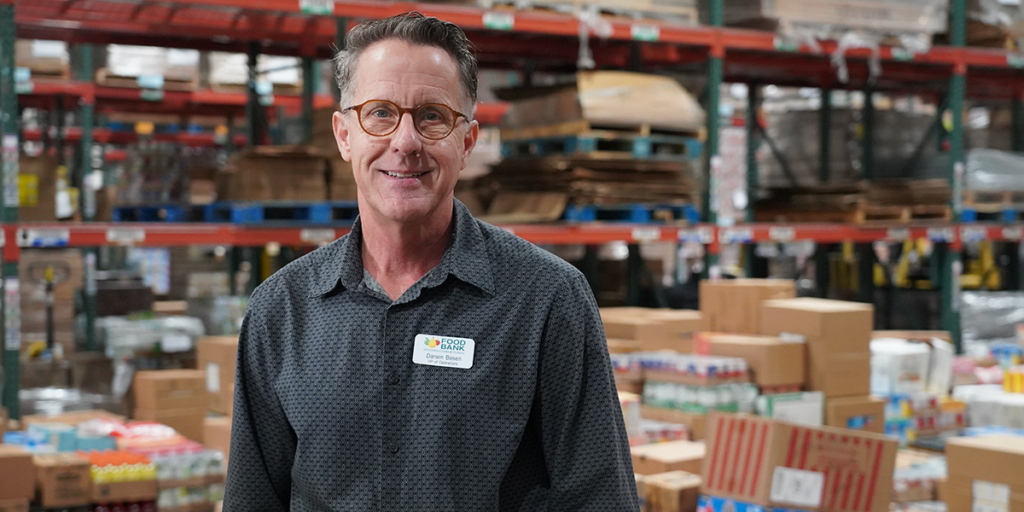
449	344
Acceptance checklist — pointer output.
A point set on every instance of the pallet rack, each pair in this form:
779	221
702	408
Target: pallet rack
504	39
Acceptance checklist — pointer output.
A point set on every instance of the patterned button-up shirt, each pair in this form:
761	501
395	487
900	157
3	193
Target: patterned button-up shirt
332	414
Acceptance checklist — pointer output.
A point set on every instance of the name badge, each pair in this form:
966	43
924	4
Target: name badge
446	351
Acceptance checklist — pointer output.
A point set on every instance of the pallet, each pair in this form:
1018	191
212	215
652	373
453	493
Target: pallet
994	201
282	89
605	144
631	8
327	212
105	78
584	127
864	214
1006	215
631	213
153	213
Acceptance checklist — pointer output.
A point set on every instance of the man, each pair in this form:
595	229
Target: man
426	361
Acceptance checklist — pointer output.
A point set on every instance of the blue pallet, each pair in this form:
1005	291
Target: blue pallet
641	213
154	213
637	146
969	214
258	213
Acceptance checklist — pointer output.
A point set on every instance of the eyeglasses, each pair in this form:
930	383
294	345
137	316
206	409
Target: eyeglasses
380	118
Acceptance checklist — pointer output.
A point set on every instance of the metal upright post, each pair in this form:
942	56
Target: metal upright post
753	178
1017	129
88	194
951	263
868	154
714	90
11	337
253	109
825	137
308	89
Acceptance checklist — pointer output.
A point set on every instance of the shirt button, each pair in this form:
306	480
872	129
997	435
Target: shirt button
393	379
394	447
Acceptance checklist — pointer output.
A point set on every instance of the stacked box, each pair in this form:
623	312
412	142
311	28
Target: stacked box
777	464
62	480
37	188
217	435
217	356
865	413
838	337
31	274
653	329
985	473
675	491
274	173
17	474
773	362
44	59
734	305
658	458
176	398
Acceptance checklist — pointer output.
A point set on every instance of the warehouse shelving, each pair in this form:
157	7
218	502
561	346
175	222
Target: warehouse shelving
504	39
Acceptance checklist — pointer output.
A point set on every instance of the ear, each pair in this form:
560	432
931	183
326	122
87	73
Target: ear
469	141
340	124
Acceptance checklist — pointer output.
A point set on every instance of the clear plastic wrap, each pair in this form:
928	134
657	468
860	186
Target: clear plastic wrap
990	170
989	317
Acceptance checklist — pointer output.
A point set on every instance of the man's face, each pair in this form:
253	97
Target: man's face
404	176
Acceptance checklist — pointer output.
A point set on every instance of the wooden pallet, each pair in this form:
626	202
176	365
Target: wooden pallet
584	127
677	12
285	89
605	145
863	214
105	78
994	201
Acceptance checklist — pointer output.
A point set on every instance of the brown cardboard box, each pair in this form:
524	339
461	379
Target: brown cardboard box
772	361
62	480
838	336
117	492
748	456
671	456
274	173
17	475
654	329
998	459
170	389
734	305
913	335
695	423
187	422
675	491
14	505
217	435
865	413
217	356
641	491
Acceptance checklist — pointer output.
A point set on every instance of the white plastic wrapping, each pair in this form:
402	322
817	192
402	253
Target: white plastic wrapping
990	170
989	317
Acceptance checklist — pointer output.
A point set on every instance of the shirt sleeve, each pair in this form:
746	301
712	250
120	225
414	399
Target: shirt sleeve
582	429
262	441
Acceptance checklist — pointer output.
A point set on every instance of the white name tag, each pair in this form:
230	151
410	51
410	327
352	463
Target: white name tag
446	351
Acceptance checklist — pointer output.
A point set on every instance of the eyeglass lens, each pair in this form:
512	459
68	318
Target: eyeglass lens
382	117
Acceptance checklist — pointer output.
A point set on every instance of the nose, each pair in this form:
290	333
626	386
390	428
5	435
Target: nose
406	139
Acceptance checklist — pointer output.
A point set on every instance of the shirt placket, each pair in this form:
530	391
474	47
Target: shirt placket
391	453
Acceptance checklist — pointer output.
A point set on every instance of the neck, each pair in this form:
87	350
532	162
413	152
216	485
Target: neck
400	253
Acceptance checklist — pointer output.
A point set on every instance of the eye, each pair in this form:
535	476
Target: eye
380	113
431	116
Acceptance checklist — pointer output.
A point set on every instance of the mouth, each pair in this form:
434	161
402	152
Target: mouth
404	175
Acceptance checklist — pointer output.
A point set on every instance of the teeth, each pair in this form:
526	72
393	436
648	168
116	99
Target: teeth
397	175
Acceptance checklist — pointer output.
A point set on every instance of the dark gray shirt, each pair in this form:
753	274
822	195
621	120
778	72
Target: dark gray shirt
331	412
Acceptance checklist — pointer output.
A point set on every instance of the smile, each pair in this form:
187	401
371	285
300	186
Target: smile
404	176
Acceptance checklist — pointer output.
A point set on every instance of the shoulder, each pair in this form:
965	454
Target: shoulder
519	259
299	280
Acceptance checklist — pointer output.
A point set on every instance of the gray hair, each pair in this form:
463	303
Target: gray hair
414	28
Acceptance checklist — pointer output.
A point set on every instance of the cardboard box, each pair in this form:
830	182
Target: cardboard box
217	435
119	492
838	337
997	458
274	173
14	505
72	418
865	413
761	461
4	418
695	423
772	361
734	305
675	491
17	475
899	367
170	389
217	355
641	491
62	480
654	329
187	422
657	458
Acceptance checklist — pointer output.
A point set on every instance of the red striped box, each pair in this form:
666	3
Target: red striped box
850	471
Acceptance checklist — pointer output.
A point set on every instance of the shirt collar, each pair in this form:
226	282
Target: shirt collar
466	258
